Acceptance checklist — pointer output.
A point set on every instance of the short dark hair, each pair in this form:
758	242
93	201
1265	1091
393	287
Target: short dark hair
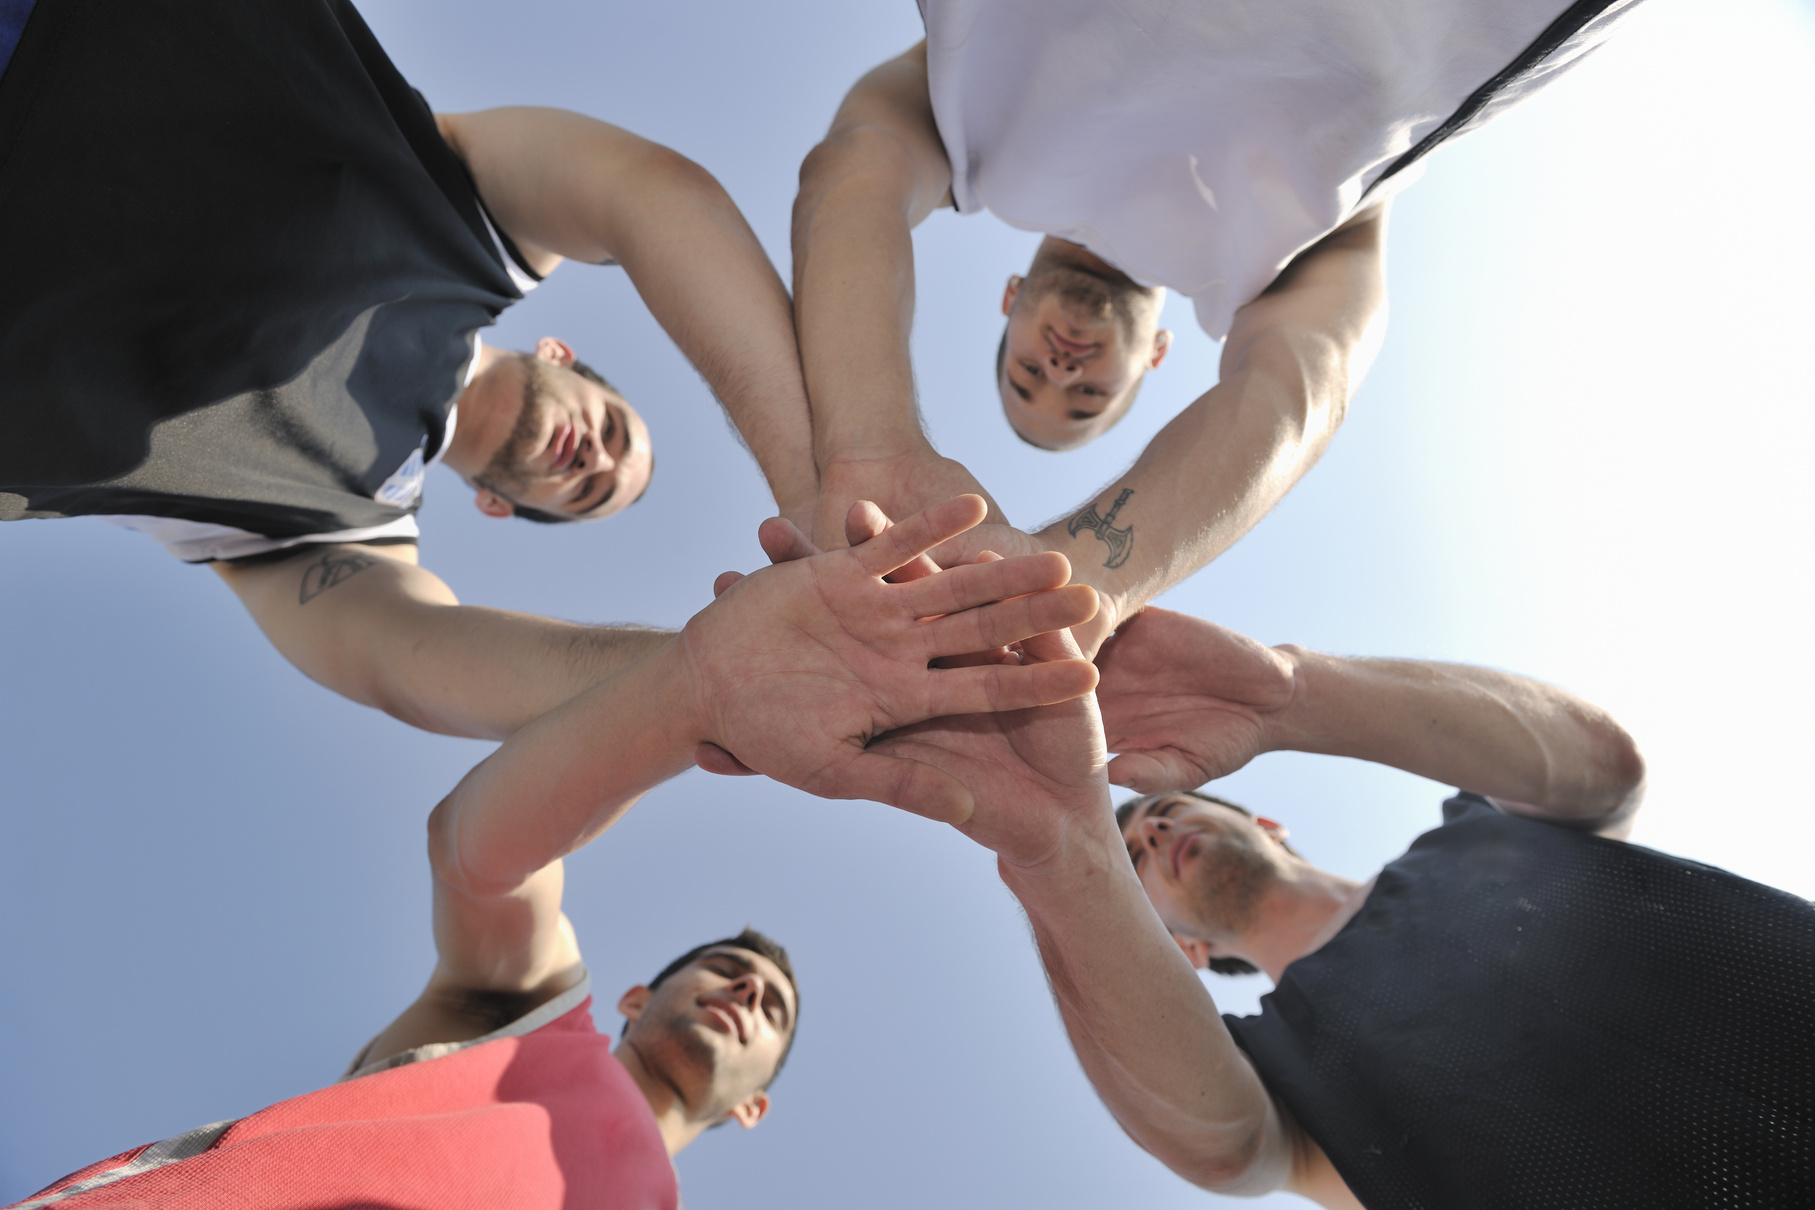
757	943
542	516
1125	813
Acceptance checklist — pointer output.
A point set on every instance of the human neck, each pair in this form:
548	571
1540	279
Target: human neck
678	1127
479	413
1298	915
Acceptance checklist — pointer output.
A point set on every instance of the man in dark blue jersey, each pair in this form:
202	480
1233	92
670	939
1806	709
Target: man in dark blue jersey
247	275
1523	1010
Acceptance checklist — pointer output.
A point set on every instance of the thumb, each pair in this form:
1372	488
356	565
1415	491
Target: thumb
782	542
714	759
1155	772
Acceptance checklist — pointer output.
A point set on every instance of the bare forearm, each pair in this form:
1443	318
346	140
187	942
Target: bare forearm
854	295
564	778
711	286
1505	736
374	627
1205	480
1145	1030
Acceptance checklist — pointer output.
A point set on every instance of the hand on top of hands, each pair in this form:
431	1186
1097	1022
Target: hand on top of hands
898	484
1186	701
797	667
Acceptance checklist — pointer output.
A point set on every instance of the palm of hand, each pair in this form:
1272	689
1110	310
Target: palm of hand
900	484
795	668
1031	773
1186	701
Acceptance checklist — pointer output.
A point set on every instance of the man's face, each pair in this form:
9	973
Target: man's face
716	1029
1204	867
1076	348
574	449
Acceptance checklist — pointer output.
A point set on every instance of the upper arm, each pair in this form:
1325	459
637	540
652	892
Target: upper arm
1323	317
885	128
325	607
562	184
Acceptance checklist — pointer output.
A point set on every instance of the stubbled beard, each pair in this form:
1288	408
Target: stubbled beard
509	474
1087	298
1232	875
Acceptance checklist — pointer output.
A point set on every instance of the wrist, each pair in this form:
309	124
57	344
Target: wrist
1297	727
873	440
1080	861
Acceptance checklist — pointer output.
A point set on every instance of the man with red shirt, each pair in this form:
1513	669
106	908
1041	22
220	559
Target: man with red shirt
494	1088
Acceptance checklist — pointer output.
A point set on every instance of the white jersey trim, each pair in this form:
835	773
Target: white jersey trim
528	1023
206	542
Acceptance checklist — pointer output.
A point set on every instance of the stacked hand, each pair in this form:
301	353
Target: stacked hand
796	668
1186	701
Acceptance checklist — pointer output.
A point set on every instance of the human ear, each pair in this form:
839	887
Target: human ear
1008	293
553	349
749	1112
492	504
1272	827
1196	952
632	1003
1162	341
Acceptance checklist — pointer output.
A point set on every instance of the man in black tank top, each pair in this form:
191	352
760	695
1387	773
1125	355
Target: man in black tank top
1522	1011
247	272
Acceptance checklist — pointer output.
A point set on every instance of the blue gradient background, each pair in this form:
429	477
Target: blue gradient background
1582	455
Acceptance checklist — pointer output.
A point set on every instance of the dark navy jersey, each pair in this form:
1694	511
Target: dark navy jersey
244	273
1525	1016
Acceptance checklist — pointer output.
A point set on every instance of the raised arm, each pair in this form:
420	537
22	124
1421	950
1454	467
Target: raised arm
1185	701
565	185
371	625
1145	1029
1293	359
790	671
878	173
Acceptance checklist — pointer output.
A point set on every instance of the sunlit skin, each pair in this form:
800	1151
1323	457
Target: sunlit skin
1069	372
704	1045
1186	850
589	455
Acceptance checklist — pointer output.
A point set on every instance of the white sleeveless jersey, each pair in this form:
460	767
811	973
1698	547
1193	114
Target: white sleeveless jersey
1201	144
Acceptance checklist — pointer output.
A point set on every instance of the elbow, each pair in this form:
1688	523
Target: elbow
451	860
1619	767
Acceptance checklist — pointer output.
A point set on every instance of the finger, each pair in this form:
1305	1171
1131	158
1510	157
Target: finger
714	759
1008	622
782	542
961	588
1006	687
1155	772
725	580
978	659
1052	645
900	543
896	781
866	520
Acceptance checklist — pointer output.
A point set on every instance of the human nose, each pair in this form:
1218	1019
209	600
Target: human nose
1153	831
747	990
1061	371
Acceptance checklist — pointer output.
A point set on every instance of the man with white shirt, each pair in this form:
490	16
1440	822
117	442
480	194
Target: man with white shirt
247	313
1240	152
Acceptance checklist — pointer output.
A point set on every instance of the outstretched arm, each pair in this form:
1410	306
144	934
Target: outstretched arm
371	625
1143	1025
791	670
565	185
1185	701
1293	359
878	173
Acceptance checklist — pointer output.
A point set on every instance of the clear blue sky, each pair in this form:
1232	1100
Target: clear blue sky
1582	455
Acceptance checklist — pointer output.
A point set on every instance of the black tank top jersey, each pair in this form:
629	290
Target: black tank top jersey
243	270
1527	1017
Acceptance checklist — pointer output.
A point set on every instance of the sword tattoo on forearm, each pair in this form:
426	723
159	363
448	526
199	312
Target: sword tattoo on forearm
1121	541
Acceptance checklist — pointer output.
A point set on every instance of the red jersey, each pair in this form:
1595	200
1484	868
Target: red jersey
542	1120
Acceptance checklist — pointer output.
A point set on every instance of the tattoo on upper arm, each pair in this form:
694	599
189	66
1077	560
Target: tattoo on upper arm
335	566
1120	540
